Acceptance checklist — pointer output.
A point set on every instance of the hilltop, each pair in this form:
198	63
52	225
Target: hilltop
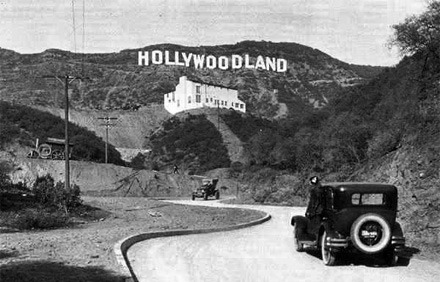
118	82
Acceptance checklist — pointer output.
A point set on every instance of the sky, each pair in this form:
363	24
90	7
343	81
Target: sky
354	31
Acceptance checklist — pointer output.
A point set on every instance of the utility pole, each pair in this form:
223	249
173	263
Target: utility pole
107	123
66	80
218	113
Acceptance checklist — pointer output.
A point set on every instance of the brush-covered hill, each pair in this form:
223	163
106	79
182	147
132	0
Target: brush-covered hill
191	142
22	125
118	82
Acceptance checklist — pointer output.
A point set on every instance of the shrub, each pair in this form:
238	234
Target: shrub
5	180
138	162
50	195
383	143
37	219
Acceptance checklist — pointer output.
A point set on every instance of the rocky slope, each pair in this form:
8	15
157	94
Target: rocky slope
416	173
128	130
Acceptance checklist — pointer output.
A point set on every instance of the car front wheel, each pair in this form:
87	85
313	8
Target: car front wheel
328	257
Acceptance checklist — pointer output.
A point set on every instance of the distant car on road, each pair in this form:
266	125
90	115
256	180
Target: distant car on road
352	217
208	189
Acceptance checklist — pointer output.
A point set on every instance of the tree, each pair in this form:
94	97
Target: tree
5	180
419	34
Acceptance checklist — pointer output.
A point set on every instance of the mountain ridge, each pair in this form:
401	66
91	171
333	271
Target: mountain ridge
118	82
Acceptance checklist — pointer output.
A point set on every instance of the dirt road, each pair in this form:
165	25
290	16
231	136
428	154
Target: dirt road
260	253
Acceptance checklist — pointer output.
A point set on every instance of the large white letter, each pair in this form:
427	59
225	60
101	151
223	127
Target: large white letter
281	65
211	62
270	64
237	61
157	57
176	59
247	63
143	57
187	59
260	63
198	61
223	63
167	59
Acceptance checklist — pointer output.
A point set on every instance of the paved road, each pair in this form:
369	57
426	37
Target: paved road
259	253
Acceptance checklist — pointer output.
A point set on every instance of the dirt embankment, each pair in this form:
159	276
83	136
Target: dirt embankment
106	179
127	131
112	180
416	174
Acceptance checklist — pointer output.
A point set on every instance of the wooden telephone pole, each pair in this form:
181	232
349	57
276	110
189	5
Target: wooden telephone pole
66	80
107	123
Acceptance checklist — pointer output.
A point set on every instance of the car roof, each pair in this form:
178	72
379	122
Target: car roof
370	187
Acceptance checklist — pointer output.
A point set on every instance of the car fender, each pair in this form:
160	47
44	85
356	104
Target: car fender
300	221
300	224
397	237
397	230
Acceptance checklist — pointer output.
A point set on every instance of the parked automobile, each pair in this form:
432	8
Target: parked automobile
207	189
352	217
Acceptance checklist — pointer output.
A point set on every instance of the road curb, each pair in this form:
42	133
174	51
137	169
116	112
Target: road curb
122	246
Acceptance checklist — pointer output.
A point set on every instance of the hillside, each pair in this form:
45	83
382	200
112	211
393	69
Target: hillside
23	126
191	142
129	130
117	82
385	131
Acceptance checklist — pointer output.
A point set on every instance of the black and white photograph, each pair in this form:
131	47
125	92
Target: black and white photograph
219	140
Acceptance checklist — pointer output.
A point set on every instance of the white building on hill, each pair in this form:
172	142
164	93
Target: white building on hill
194	95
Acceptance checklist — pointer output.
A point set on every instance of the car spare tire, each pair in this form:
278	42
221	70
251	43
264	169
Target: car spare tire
370	233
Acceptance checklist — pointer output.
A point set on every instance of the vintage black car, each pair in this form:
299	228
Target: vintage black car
208	189
352	217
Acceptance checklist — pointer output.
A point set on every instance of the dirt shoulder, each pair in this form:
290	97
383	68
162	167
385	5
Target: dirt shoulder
85	252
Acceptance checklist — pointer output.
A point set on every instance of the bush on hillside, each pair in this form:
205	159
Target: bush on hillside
8	132
49	194
245	126
383	143
193	142
5	180
139	162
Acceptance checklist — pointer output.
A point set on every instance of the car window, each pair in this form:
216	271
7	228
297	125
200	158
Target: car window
368	199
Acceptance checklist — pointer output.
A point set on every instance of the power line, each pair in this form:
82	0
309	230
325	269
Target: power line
83	34
74	27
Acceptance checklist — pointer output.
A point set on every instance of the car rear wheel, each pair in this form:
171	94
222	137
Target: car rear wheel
205	196
193	197
328	257
370	233
217	195
299	247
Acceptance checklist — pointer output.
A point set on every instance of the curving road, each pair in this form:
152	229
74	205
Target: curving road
259	253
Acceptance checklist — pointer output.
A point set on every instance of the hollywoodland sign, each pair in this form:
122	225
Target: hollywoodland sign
176	58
